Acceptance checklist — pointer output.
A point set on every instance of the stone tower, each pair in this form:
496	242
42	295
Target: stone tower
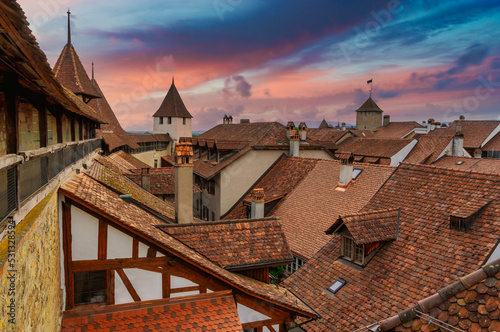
368	116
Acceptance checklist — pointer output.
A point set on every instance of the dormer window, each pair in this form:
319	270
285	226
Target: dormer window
363	234
462	218
352	251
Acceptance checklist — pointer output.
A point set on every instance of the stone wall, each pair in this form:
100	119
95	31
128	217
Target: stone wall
29	131
51	129
38	295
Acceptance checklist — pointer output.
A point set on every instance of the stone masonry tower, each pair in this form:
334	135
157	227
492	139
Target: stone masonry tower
368	116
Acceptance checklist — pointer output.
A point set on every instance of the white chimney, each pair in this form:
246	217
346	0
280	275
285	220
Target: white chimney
346	168
183	172
343	126
303	131
289	127
458	141
294	143
387	120
257	210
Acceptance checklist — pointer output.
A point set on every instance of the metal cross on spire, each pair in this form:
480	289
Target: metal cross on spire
69	27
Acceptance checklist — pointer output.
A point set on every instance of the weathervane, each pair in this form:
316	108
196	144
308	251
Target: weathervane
370	81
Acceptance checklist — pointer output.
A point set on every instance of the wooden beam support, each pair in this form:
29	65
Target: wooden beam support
120	263
263	323
59	124
72	124
128	285
135	248
102	240
151	252
165	280
110	286
184	289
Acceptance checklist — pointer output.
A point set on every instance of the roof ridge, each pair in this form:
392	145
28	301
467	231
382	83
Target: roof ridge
220	222
369	212
442	295
448	169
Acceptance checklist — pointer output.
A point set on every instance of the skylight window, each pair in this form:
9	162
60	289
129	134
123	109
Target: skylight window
460	162
356	172
337	285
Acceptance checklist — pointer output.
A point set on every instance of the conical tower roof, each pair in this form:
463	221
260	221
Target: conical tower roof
323	124
369	105
69	72
173	105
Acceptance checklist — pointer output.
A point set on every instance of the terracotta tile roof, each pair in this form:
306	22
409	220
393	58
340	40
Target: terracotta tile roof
373	147
426	256
470	164
127	160
428	149
369	105
70	72
208	312
84	108
147	138
327	134
173	105
162	180
112	131
237	243
475	132
397	129
469	304
309	184
362	133
493	144
281	178
369	227
124	186
22	54
112	165
83	189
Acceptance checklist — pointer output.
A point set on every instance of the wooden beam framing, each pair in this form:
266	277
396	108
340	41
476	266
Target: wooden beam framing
184	289
102	240
165	280
121	263
128	285
135	248
151	252
110	286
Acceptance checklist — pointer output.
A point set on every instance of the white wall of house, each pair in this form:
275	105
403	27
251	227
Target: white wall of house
84	231
401	155
119	244
319	154
237	178
248	315
149	157
147	284
176	129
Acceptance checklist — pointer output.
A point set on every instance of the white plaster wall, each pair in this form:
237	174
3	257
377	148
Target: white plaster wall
401	155
275	327
149	157
178	282
143	250
248	315
319	154
176	129
147	284
121	293
119	244
237	178
494	255
84	235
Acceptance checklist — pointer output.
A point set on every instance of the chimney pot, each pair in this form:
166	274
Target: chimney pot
289	127
387	120
346	168
462	117
343	126
257	208
303	131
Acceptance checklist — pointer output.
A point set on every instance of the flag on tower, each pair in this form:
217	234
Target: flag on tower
369	81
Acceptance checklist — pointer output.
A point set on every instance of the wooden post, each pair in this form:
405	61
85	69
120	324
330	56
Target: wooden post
42	123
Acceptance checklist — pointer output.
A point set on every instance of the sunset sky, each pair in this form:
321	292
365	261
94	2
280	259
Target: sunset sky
283	60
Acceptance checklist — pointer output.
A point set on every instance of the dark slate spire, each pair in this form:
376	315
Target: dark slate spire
69	27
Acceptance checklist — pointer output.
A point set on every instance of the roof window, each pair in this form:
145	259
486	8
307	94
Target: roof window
356	172
337	285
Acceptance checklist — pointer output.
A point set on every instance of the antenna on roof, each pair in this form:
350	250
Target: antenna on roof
69	27
92	69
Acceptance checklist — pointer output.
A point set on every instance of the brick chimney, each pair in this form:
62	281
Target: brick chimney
289	127
458	141
387	120
346	168
257	210
145	179
183	172
294	143
303	131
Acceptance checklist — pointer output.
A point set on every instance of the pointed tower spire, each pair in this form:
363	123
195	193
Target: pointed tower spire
172	79
69	27
92	70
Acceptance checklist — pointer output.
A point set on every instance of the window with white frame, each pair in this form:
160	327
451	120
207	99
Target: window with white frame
295	264
352	251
